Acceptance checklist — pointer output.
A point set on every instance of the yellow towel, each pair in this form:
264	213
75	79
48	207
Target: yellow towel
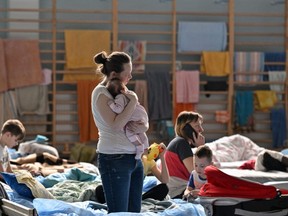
215	63
264	99
82	45
80	74
37	189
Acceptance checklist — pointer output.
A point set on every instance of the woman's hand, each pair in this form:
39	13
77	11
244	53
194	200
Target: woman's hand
130	94
200	140
163	147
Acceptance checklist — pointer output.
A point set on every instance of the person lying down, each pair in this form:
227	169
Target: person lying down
43	164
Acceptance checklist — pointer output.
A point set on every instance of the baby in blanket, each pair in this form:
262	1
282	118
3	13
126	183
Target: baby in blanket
139	116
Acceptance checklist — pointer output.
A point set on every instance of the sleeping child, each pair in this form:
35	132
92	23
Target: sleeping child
139	116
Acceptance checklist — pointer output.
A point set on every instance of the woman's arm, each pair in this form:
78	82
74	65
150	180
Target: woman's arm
163	174
189	163
117	122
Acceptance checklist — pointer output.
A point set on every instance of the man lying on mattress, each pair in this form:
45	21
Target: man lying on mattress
43	164
240	148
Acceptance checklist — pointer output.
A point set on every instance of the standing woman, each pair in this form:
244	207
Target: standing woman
121	173
179	155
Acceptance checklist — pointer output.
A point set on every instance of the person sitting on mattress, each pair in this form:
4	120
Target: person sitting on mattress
117	104
203	158
179	155
12	133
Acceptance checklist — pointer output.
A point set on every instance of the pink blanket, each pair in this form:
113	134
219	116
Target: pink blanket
23	64
3	72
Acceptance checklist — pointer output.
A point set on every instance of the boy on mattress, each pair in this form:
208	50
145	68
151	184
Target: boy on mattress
12	133
202	159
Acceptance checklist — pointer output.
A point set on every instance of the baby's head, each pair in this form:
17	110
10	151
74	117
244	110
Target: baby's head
202	159
115	86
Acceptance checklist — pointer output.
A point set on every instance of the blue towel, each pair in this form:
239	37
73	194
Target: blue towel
278	57
278	125
244	107
202	36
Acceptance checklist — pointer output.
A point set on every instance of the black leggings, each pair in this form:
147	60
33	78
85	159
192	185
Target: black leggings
159	192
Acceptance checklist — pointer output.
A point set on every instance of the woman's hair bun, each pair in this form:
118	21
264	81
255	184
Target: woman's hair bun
100	58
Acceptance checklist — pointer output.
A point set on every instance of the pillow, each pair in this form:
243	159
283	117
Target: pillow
20	188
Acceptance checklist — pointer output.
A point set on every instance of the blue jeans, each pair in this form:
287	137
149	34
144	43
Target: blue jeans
122	179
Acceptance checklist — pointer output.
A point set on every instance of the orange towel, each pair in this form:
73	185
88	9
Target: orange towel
179	107
215	63
87	128
222	116
22	63
3	72
82	45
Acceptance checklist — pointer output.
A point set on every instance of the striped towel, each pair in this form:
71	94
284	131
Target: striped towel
248	62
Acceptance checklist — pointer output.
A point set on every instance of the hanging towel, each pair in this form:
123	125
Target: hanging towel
3	72
275	57
8	109
137	51
278	126
277	76
87	128
22	63
187	86
252	62
38	99
215	63
82	45
141	91
179	107
265	100
159	97
222	116
274	61
244	110
80	74
47	73
201	36
213	85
